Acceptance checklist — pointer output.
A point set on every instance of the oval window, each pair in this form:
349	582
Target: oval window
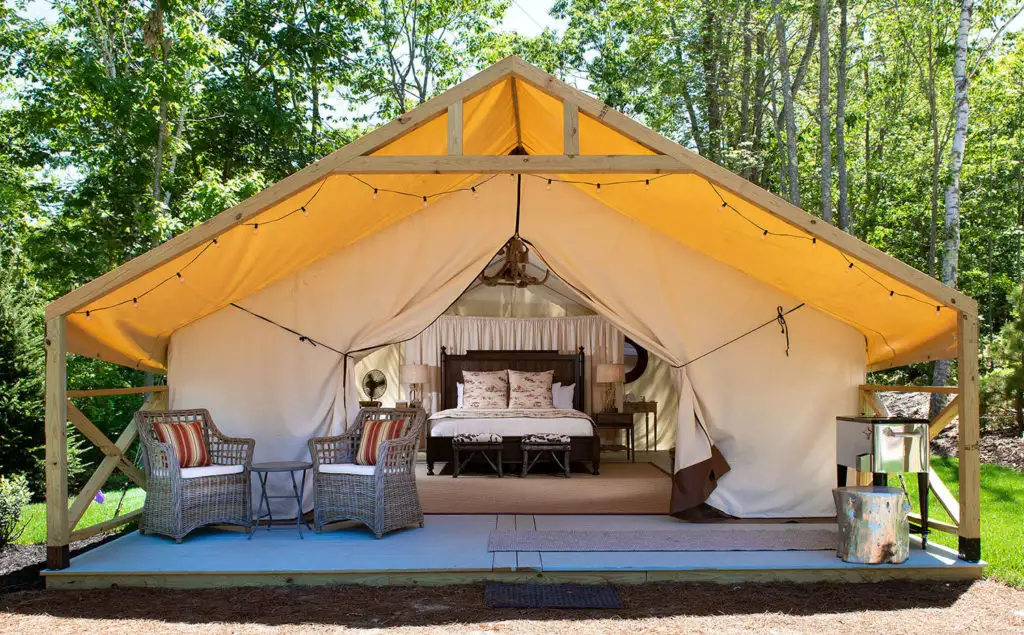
635	360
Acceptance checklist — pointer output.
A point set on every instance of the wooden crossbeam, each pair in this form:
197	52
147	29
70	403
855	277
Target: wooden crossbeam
106	392
107	525
643	164
91	432
937	525
100	476
944	496
942	419
945	390
873	405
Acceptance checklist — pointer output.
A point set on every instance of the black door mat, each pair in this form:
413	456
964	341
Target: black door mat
551	596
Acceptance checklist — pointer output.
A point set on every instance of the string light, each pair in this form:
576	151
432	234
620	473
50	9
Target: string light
549	181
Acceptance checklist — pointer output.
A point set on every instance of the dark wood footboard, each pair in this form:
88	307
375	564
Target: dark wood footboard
585	449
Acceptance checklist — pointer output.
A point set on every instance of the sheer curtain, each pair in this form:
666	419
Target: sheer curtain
601	341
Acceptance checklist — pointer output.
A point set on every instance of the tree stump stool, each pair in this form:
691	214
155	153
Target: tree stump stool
873	524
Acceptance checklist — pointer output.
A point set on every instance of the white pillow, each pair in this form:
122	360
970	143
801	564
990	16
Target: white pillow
561	396
459	388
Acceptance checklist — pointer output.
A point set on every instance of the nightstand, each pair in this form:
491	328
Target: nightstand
617	421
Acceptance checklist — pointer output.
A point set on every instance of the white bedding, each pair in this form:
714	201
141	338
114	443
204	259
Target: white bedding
511	426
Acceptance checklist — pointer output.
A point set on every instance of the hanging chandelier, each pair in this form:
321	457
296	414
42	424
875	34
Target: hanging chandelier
512	271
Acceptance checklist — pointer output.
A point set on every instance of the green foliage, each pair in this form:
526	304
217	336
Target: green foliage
14	496
113	505
21	371
1003	387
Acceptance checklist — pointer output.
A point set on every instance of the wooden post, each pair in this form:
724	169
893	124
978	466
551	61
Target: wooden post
968	438
455	128
57	530
570	128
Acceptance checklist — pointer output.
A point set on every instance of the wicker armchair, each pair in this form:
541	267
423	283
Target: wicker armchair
180	500
383	496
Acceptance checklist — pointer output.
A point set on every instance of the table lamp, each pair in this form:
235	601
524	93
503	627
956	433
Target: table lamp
609	375
416	375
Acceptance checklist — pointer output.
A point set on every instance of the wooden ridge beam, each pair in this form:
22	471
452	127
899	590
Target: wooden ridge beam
944	390
643	164
106	392
744	189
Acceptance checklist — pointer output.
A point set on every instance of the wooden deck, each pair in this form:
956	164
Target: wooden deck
452	549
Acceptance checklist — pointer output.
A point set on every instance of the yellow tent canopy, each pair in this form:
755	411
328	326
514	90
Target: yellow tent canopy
510	118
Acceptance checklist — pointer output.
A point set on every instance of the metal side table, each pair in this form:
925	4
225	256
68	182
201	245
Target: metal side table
262	471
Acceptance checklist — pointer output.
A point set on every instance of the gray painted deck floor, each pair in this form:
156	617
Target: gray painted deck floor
450	543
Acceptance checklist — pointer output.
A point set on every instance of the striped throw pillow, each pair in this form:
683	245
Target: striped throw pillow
373	433
186	441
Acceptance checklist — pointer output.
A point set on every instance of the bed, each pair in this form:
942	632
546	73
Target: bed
568	369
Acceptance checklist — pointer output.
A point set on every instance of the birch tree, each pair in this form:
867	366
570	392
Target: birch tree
951	251
788	116
844	201
823	113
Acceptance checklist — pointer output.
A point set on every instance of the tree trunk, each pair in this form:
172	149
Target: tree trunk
824	118
748	50
867	134
844	204
951	252
709	61
758	110
933	120
787	107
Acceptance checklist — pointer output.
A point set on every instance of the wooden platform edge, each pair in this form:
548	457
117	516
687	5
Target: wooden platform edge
207	580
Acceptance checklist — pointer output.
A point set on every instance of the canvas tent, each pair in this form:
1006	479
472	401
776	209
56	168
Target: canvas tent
369	245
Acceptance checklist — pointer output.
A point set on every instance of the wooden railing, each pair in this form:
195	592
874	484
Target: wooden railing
873	406
114	459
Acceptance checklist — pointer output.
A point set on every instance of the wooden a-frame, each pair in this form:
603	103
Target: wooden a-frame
667	157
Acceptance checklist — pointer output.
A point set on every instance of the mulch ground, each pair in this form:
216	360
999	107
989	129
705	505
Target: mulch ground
927	608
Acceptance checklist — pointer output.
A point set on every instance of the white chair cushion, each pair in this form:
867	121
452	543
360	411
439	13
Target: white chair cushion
347	468
211	470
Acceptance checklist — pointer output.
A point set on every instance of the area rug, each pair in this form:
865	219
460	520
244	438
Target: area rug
621	488
701	537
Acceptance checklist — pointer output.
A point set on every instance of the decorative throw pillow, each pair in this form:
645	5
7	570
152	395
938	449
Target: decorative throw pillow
186	441
529	390
374	432
562	396
485	389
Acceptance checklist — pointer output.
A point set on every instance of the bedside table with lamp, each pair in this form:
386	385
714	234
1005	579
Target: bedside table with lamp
609	418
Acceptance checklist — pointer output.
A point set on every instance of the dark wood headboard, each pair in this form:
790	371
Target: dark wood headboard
568	369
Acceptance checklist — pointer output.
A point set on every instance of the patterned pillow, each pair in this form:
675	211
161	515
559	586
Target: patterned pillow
374	432
546	437
529	390
485	389
186	441
477	437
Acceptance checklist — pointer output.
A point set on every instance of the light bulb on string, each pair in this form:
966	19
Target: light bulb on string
849	268
425	202
181	278
724	205
647	185
215	243
764	234
88	316
892	294
375	194
475	194
814	242
305	212
135	302
255	228
548	186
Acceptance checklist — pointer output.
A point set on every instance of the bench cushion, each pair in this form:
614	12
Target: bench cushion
541	438
347	468
211	470
477	437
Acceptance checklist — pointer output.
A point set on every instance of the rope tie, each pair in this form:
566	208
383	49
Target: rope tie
781	319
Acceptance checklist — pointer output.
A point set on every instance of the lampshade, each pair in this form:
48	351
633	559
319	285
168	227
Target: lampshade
415	373
609	373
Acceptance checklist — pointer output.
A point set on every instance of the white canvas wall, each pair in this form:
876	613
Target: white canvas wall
772	416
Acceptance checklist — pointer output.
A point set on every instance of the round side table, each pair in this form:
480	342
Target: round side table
262	471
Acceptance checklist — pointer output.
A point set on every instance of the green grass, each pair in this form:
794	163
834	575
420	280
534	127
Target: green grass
35	514
1002	517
